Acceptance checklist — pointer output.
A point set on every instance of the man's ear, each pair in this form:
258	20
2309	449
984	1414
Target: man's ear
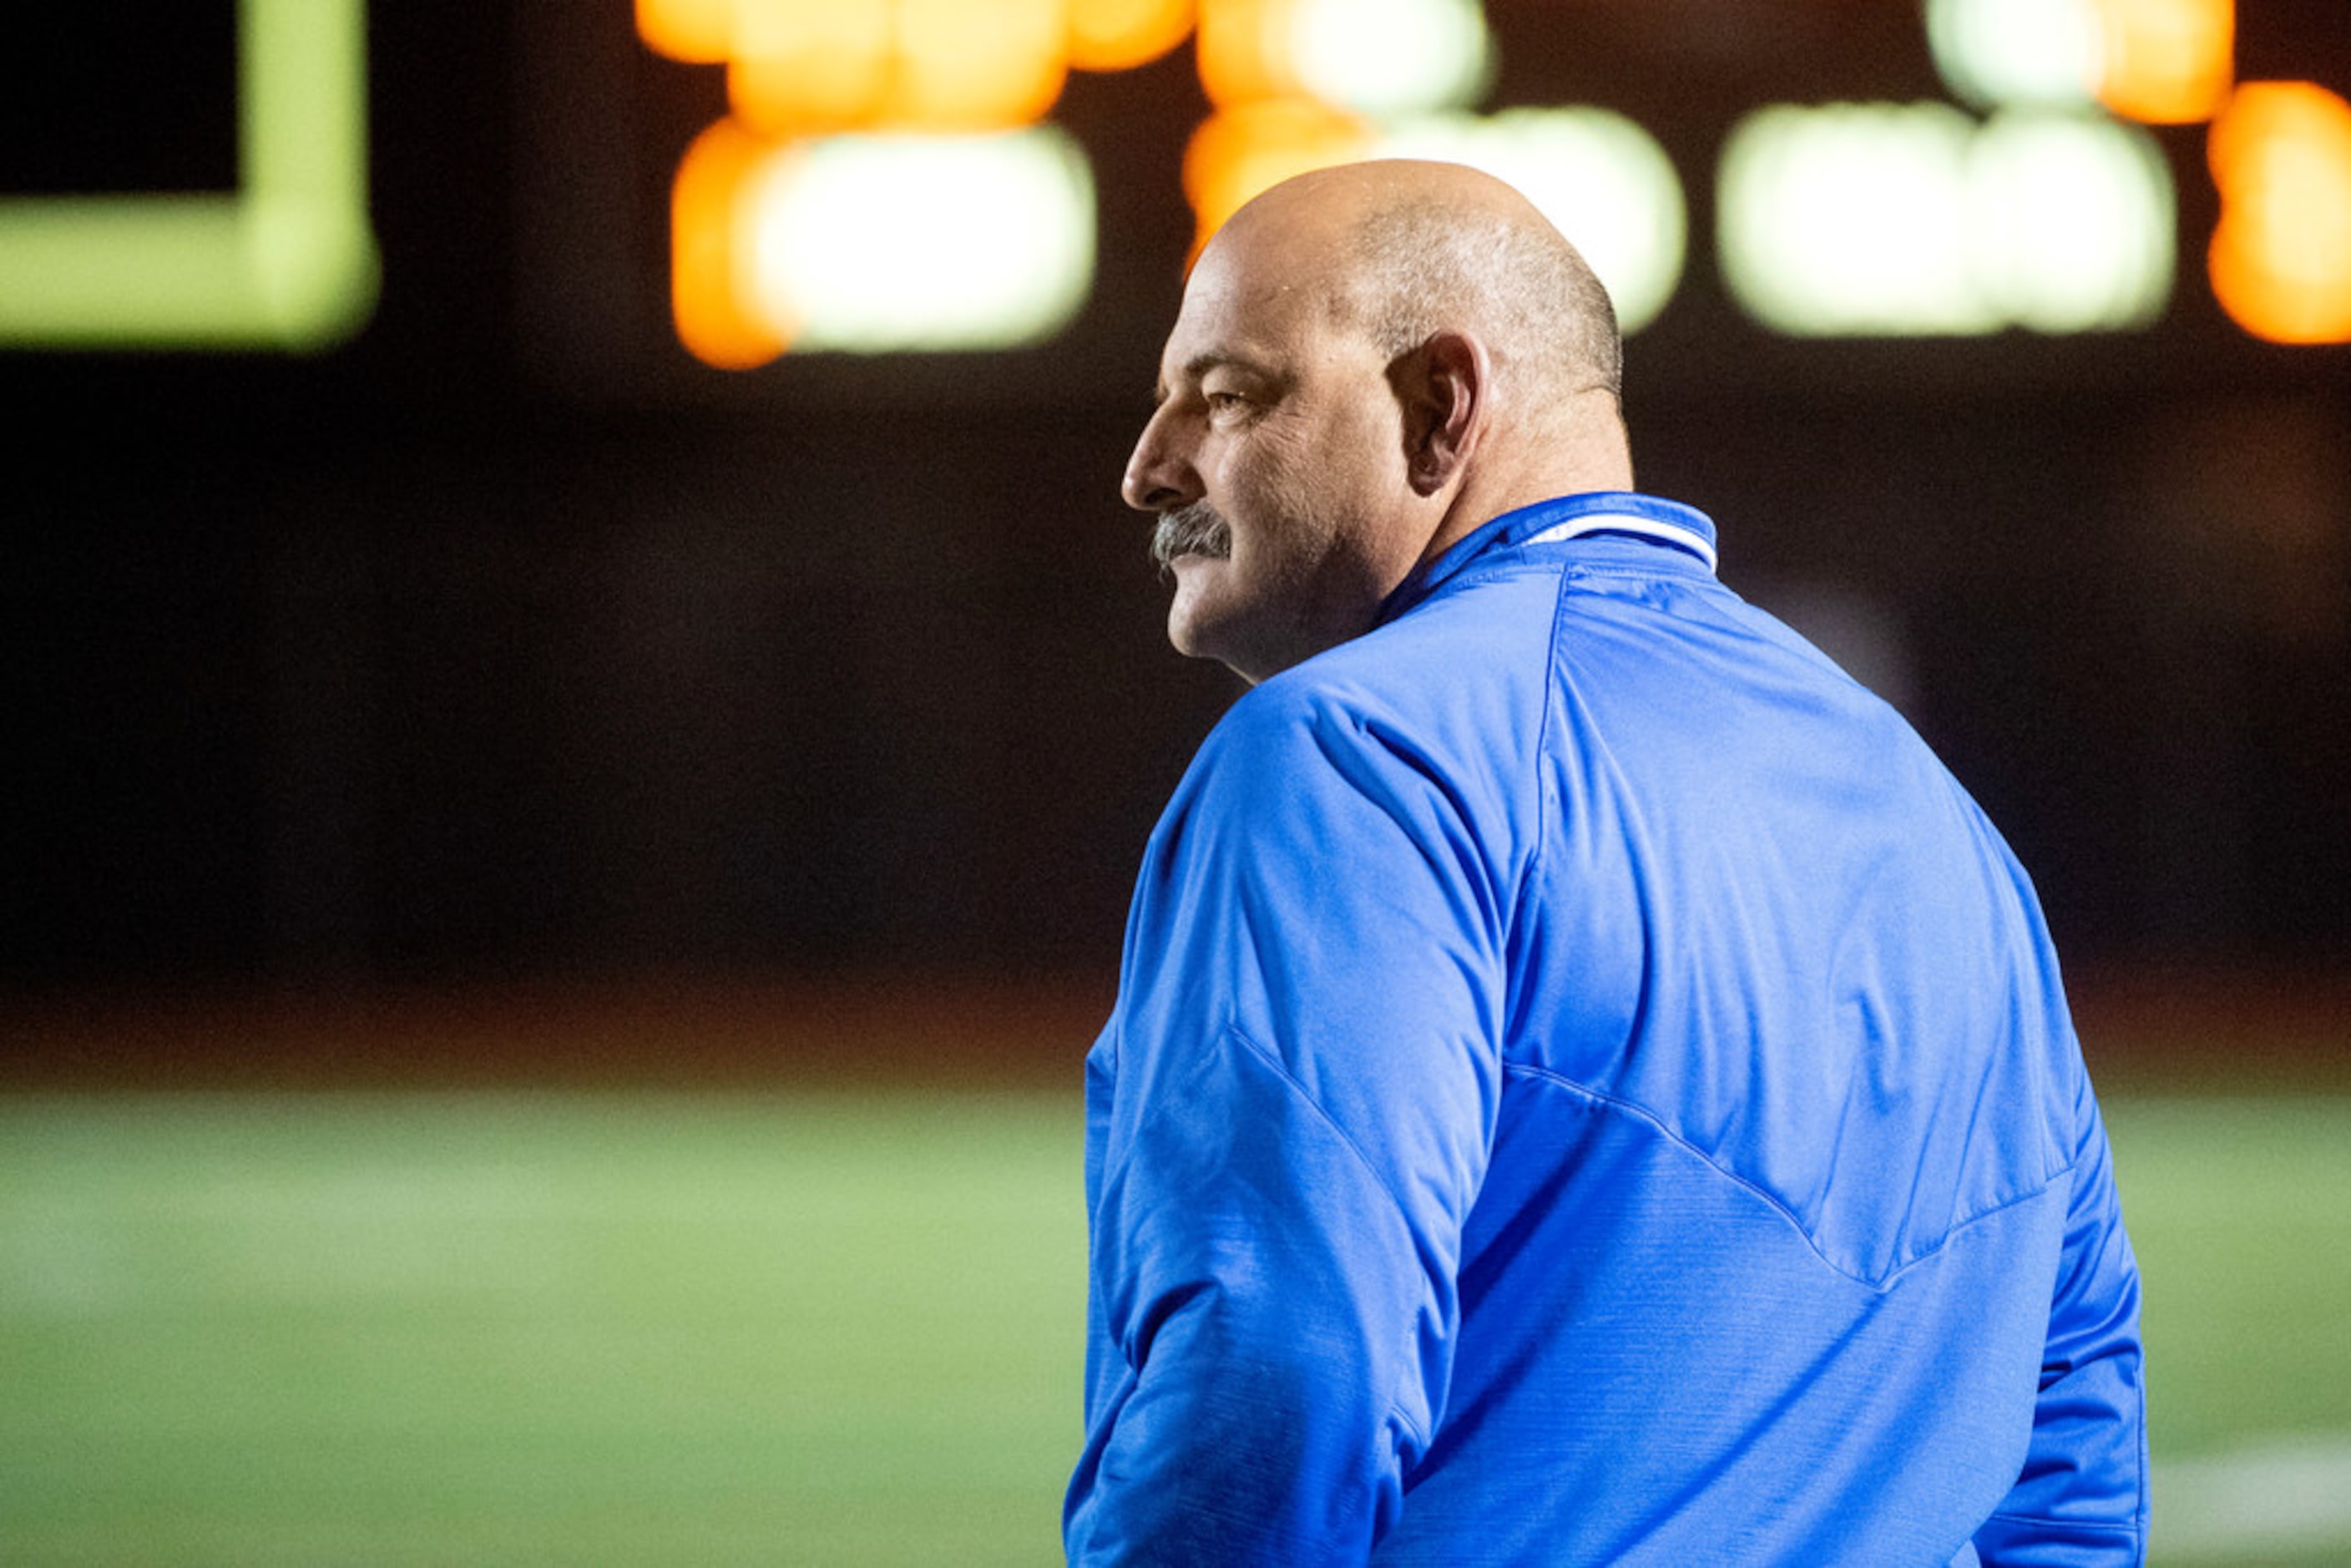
1443	386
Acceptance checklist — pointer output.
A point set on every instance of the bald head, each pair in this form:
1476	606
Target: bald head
1405	249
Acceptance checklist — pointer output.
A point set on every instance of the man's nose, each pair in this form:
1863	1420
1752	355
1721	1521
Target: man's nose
1159	478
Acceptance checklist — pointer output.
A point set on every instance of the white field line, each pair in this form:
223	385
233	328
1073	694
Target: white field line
2282	1495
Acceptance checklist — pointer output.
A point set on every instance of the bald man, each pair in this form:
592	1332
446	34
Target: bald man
1586	1085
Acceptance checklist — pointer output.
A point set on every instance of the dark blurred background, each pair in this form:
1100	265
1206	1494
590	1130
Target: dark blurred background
505	641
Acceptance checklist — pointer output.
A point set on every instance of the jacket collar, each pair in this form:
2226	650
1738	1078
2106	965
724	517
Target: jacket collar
1666	523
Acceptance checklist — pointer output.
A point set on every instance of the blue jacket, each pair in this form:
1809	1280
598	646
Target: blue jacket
1588	1087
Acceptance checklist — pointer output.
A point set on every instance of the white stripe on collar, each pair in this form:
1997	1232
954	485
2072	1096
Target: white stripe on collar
1689	539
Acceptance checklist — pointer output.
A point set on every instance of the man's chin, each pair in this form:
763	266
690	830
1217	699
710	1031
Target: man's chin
1191	623
1200	625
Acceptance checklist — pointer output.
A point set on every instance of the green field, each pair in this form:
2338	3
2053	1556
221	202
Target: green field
669	1328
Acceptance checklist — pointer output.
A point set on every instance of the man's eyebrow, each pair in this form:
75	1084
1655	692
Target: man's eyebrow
1200	364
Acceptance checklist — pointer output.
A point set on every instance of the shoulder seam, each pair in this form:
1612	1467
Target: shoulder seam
1880	1284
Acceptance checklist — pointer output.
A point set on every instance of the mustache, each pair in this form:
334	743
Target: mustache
1196	530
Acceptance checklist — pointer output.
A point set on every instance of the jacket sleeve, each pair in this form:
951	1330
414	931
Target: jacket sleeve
1306	1061
2081	1500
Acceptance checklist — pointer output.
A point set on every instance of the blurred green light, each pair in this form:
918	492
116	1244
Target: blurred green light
2072	222
1847	218
1914	220
287	261
877	243
1394	57
1995	53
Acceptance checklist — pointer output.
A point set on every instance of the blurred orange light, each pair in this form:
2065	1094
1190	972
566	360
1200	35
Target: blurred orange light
699	32
1120	35
2281	258
799	66
807	66
1242	151
1247	51
976	65
708	251
2167	62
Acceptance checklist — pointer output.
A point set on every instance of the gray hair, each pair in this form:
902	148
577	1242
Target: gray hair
1424	265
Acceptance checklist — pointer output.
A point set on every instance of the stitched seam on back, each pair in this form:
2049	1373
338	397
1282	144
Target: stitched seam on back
1764	1195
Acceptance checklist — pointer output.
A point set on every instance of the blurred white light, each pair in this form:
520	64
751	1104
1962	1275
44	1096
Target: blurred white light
2072	222
1392	57
1602	180
1993	53
1884	219
1848	218
882	243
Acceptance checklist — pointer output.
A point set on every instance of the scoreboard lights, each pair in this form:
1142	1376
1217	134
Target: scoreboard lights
2046	208
875	243
952	220
1370	57
1912	219
2280	153
966	224
2280	259
2161	62
878	244
886	178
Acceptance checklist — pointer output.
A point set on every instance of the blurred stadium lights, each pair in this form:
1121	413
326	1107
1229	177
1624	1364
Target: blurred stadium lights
874	189
1395	56
2281	258
1849	218
868	40
1594	173
1373	57
2071	222
893	242
1996	53
1120	35
1914	219
2280	153
2161	62
698	32
2167	62
878	243
787	233
799	222
711	252
286	261
908	65
1304	84
1870	219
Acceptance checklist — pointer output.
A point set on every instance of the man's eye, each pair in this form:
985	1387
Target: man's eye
1223	402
